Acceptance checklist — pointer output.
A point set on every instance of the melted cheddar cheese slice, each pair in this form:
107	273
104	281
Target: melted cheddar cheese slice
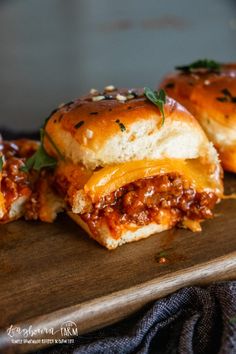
111	178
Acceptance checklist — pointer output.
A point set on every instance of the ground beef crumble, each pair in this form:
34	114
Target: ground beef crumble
146	200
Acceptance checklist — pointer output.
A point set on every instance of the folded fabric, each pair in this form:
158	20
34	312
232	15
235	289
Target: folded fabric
191	320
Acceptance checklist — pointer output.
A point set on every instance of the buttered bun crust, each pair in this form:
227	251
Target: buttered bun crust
211	97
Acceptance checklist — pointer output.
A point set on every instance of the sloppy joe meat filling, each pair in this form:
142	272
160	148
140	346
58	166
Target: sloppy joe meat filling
164	197
14	182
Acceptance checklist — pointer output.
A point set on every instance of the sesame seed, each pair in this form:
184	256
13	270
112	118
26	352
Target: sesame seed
132	92
93	91
89	133
61	105
98	98
109	88
120	97
206	82
130	97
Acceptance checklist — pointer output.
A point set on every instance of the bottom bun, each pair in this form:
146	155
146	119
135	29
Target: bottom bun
105	238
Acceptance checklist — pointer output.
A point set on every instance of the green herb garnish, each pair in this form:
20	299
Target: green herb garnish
211	65
121	125
44	132
228	97
78	125
1	163
40	158
158	98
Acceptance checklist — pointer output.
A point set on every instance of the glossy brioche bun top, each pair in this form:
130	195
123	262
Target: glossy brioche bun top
97	132
206	90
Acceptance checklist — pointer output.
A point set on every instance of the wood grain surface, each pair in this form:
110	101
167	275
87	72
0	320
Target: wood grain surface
51	273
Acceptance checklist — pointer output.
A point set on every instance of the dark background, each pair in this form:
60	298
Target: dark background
51	51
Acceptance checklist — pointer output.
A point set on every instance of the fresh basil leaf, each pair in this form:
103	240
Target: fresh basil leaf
211	65
158	98
39	160
150	94
44	133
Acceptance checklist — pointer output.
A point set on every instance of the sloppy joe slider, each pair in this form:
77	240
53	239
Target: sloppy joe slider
25	192
132	163
15	185
208	90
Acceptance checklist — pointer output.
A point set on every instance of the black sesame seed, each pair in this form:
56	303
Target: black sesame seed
226	92
222	99
121	125
60	118
227	96
93	113
110	109
170	85
108	97
78	125
134	93
129	107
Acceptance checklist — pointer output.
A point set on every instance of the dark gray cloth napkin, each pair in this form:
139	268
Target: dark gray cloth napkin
191	320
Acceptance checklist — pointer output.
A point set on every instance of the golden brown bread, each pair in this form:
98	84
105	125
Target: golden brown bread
211	97
100	133
121	171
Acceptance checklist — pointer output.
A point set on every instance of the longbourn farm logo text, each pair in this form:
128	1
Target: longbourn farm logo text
44	335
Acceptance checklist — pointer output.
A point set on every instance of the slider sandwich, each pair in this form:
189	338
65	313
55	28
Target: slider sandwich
131	163
208	90
25	192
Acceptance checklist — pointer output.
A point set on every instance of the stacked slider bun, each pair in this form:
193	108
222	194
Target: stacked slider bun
209	93
127	173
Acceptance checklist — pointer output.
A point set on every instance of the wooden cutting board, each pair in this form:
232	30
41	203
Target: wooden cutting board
52	273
